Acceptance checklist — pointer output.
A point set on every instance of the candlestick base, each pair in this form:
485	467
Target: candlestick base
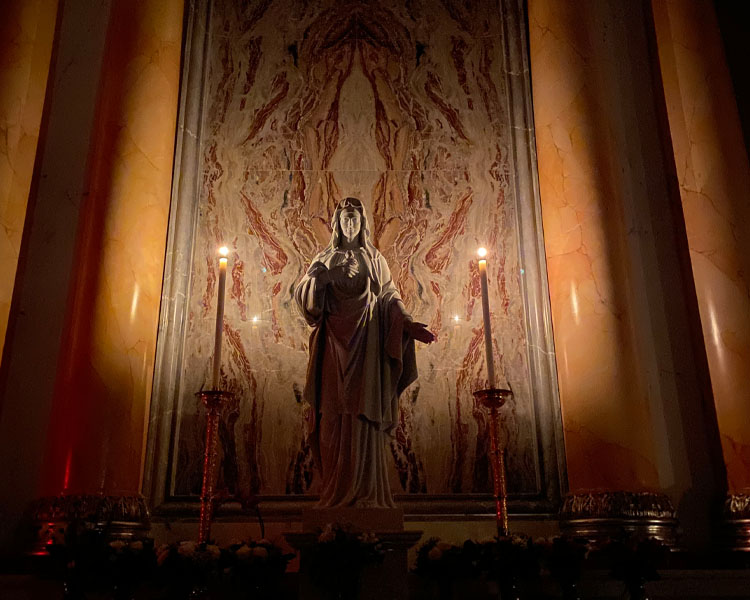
492	399
600	515
213	400
118	517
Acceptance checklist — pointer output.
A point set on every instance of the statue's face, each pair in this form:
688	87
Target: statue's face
350	223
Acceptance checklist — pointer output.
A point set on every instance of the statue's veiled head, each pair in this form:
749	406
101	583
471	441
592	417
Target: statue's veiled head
350	222
347	208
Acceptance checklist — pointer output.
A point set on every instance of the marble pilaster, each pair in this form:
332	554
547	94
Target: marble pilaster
26	35
606	414
104	378
626	332
714	179
33	344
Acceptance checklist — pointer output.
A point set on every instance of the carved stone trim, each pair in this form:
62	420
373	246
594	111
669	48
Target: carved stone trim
735	525
600	515
617	504
737	506
416	507
91	507
122	517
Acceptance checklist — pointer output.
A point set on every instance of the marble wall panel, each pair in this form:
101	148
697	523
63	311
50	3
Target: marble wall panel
405	106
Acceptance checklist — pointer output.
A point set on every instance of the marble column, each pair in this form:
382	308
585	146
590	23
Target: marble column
75	387
103	387
26	32
630	360
33	343
605	408
714	179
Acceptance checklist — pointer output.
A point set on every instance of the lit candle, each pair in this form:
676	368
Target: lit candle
482	252
220	315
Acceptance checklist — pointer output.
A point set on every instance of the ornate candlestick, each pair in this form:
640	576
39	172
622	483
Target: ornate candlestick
493	399
213	401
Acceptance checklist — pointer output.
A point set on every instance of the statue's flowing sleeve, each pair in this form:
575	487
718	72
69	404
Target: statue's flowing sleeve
400	368
310	294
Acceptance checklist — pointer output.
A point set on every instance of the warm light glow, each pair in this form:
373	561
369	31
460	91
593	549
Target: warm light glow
482	252
66	476
223	260
255	319
714	331
134	303
456	318
574	302
224	251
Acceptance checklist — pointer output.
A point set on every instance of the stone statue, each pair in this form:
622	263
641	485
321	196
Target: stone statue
361	359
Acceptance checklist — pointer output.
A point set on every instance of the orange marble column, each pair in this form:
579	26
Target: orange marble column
27	30
605	407
714	179
103	388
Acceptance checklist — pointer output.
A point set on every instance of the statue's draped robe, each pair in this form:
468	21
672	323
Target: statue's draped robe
361	360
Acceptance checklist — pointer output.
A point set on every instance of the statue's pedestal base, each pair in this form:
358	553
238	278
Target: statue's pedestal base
376	582
361	519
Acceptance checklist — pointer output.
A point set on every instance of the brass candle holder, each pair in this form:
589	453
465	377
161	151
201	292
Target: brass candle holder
493	399
213	400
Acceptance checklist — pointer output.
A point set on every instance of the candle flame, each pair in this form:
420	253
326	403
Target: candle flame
255	319
224	251
456	318
482	252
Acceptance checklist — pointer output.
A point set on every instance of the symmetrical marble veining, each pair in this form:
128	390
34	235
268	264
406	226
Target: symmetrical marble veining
714	178
404	106
608	436
26	32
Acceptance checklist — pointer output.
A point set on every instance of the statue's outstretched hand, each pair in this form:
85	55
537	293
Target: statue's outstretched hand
419	332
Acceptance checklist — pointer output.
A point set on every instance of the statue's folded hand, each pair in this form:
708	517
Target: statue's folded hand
351	265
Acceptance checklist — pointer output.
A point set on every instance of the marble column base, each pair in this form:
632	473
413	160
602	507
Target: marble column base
387	580
735	523
597	516
120	517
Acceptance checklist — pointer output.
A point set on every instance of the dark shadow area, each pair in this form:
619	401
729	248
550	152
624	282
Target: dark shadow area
734	24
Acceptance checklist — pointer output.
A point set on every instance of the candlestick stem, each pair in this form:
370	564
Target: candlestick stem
498	476
493	399
213	401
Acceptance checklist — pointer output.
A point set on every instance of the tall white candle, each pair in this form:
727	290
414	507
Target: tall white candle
486	316
220	316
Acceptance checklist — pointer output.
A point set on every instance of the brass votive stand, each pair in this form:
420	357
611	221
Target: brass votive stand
493	399
213	400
